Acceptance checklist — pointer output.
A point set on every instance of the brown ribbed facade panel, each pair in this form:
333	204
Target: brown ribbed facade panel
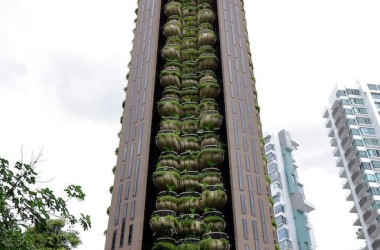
126	215
251	210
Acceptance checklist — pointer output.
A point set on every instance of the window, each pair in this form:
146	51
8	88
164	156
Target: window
278	184
375	95
371	142
377	104
269	147
351	121
130	234
283	234
376	204
373	152
372	86
363	120
344	102
360	111
280	220
279	209
362	154
347	112
356	101
375	164
377	176
340	93
272	167
354	131
369	178
367	131
353	91
267	139
374	191
276	198
365	165
357	142
271	156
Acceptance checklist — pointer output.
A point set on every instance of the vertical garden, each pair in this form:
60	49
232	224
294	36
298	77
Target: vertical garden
190	200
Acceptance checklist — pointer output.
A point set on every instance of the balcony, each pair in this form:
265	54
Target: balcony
328	123
349	197
346	185
342	173
330	133
376	244
374	230
366	201
357	176
275	176
361	189
337	110
286	245
347	142
350	153
325	114
353	210
354	164
360	233
357	222
333	142
336	152
370	215
339	162
339	122
343	132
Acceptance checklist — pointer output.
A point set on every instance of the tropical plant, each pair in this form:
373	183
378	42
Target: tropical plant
164	246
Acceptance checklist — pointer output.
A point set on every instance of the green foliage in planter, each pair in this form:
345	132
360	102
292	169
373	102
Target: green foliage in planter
189	177
206	243
187	106
169	120
169	157
204	6
207	72
171	90
187	198
164	246
170	198
189	76
190	138
190	20
207	57
207	49
219	193
157	217
213	219
190	121
162	102
209	84
111	189
277	247
274	223
188	246
172	63
268	180
113	169
205	26
162	172
170	72
217	174
190	154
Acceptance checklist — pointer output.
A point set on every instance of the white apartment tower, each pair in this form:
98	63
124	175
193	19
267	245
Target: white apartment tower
352	119
289	204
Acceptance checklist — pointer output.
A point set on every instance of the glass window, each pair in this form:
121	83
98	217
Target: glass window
347	112
365	165
267	139
376	204
344	102
278	184
354	131
271	156
269	147
280	220
276	198
353	91
374	191
377	176
371	142
375	164
373	152
279	209
363	120
356	101
367	131
351	121
372	86
375	95
369	178
340	93
360	111
283	234
377	104
362	154
272	167
357	142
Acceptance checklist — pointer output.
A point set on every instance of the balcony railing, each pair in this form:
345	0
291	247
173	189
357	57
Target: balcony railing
328	123
374	230
360	233
333	142
347	142
361	188
366	201
370	215
286	245
354	164
357	176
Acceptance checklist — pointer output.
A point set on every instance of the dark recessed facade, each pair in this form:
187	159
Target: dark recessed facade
190	169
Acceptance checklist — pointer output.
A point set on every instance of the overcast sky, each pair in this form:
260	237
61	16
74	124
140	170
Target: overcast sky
62	73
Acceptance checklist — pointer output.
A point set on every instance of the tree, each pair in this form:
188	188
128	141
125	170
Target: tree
53	236
23	205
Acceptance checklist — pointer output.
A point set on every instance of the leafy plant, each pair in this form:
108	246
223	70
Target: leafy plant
164	246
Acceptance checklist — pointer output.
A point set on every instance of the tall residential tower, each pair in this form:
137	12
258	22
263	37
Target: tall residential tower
352	119
290	206
190	168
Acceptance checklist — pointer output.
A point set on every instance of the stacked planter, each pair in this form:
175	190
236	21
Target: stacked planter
188	175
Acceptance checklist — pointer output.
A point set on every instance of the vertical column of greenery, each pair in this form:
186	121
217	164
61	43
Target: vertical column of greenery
188	175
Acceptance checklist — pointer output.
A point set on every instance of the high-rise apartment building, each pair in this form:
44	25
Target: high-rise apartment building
352	119
289	204
190	170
